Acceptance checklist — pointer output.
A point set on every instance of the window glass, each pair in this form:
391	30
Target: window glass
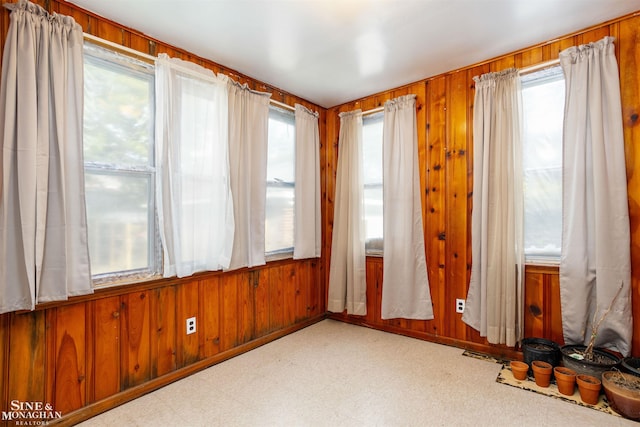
372	169
280	181
543	110
119	167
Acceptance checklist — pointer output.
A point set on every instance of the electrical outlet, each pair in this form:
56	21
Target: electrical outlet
191	325
459	305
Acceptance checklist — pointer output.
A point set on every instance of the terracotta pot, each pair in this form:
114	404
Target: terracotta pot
542	372
589	388
623	393
565	379
519	370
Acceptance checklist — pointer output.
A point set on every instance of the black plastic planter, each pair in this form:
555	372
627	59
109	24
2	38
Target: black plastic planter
605	360
631	365
540	349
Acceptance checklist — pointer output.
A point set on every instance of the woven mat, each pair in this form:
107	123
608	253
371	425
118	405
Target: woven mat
506	377
485	357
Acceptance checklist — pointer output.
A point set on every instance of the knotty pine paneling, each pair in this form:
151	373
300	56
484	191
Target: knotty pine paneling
187	346
25	374
4	358
456	200
135	339
447	143
246	283
106	344
434	191
262	290
288	278
210	316
66	365
276	297
164	330
228	312
315	294
628	45
526	58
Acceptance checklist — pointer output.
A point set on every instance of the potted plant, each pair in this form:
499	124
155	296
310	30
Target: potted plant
623	393
540	349
631	365
587	359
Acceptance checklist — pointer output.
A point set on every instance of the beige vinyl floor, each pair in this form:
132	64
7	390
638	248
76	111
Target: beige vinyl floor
336	374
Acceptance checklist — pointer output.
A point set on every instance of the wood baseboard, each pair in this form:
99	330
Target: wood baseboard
496	351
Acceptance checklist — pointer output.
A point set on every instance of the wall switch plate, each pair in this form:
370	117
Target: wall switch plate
191	325
459	305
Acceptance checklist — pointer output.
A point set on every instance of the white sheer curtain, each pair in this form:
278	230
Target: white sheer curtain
307	217
405	285
43	229
195	209
595	259
347	273
494	304
248	135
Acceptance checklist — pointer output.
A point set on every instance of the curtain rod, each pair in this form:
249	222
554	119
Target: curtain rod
117	46
282	105
373	111
538	67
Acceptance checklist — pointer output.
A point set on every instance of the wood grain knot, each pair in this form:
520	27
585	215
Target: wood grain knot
535	310
115	314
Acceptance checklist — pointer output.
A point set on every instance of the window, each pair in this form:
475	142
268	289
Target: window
280	182
543	110
372	167
119	164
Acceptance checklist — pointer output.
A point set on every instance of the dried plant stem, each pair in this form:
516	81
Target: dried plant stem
588	353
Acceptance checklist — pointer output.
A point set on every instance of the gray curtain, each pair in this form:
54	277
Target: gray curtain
307	218
596	258
248	138
43	227
347	272
405	285
494	303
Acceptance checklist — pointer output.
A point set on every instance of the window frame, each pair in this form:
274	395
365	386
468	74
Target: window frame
536	77
285	252
112	58
371	248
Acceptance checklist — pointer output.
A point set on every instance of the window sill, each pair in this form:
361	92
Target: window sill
279	256
542	262
110	282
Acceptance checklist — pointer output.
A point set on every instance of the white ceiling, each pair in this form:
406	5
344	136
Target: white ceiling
334	51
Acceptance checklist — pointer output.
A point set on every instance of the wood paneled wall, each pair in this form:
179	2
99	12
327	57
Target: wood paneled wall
445	145
134	339
92	353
